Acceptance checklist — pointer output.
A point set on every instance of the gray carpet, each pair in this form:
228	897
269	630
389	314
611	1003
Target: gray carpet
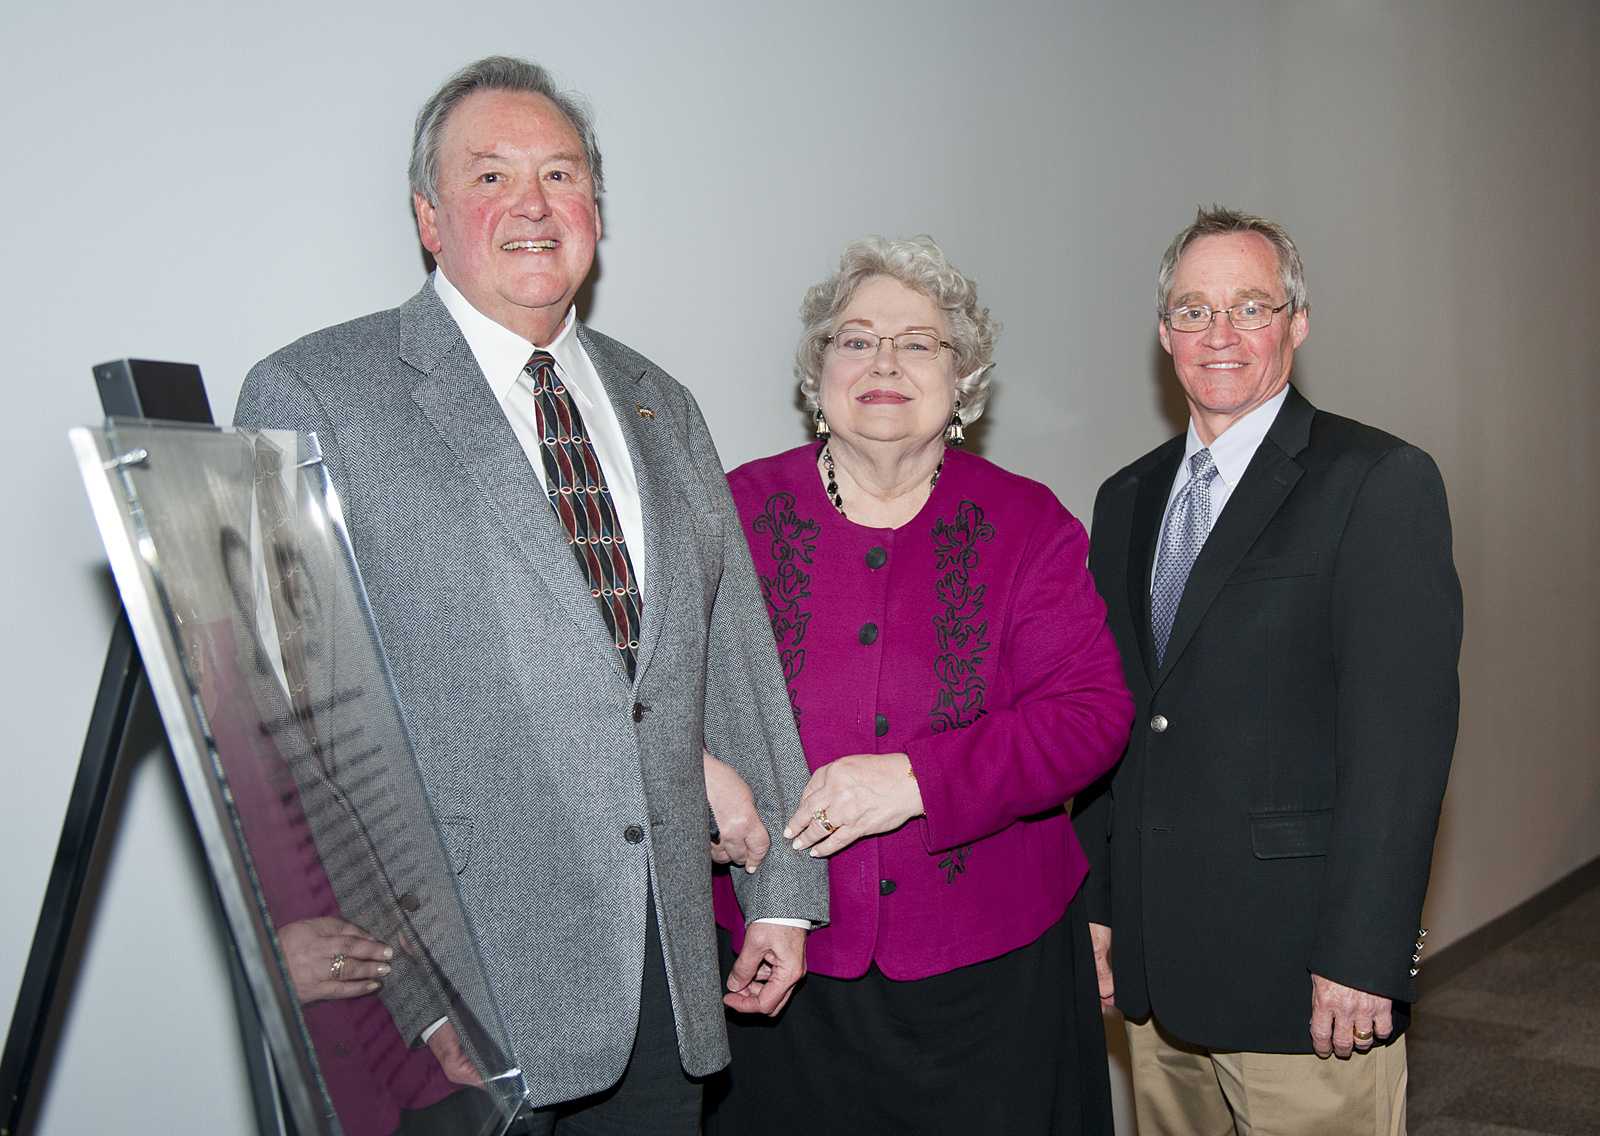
1511	1046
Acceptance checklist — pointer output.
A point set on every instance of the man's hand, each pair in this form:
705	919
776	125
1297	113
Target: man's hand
329	958
860	795
1339	1013
742	838
1100	935
452	1055
764	974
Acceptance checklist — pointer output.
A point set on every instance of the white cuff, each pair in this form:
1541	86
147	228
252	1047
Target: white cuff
803	924
429	1032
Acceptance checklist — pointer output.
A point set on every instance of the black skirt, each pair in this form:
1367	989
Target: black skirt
1014	1044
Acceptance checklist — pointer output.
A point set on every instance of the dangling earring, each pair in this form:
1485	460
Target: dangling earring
953	433
821	423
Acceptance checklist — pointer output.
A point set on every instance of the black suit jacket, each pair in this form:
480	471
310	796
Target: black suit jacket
1274	814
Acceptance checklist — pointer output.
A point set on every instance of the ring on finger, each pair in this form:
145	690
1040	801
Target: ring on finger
821	817
338	967
1363	1035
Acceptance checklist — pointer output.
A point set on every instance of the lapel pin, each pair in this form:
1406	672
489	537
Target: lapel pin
645	412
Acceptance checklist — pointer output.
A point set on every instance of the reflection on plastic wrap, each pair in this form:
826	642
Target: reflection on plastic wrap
230	553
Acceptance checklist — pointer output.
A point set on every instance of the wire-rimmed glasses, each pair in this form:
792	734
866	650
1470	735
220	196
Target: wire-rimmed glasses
1251	315
856	343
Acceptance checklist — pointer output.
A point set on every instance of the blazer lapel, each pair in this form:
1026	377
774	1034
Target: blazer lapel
455	399
1149	511
1267	481
657	468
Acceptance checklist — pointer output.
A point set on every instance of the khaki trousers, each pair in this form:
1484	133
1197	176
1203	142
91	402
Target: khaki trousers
1187	1090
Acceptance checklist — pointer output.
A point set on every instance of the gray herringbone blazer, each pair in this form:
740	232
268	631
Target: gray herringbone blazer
538	755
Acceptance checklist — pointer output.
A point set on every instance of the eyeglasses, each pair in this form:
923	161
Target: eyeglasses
913	345
1252	315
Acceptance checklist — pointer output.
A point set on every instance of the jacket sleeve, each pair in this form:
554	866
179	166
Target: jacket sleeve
275	396
1093	807
1397	639
1069	716
749	723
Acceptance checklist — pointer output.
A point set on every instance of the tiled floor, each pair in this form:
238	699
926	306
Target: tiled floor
1511	1046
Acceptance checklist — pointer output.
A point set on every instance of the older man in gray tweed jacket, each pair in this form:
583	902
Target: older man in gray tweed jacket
558	732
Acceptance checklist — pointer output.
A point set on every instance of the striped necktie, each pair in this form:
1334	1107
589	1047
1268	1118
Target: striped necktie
582	501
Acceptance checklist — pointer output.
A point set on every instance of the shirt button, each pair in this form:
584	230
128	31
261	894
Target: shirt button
882	726
1158	724
633	834
868	634
638	712
877	557
886	887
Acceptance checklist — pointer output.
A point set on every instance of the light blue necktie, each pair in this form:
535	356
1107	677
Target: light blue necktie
1188	525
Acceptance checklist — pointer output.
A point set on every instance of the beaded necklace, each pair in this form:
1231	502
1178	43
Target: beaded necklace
833	481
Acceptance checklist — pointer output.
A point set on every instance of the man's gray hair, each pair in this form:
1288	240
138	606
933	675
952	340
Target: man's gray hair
493	73
1218	221
919	264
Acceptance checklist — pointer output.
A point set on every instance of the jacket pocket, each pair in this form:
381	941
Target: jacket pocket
456	831
1275	567
1280	835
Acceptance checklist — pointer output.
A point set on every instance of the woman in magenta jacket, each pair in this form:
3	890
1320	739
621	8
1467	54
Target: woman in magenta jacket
954	684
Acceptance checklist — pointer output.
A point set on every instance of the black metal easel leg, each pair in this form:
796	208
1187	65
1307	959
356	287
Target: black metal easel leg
113	710
96	769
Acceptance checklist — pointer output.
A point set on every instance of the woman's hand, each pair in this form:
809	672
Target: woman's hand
860	795
314	949
741	837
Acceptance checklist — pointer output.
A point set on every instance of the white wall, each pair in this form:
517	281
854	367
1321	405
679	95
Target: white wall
206	182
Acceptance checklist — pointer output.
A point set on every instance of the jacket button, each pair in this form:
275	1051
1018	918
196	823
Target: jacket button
633	834
868	633
1158	723
877	557
886	887
409	902
881	727
638	712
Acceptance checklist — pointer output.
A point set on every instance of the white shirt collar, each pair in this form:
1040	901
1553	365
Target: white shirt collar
502	353
1234	447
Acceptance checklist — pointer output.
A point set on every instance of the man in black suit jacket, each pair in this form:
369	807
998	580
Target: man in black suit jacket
1280	584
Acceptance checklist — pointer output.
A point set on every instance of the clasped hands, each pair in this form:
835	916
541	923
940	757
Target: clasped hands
858	796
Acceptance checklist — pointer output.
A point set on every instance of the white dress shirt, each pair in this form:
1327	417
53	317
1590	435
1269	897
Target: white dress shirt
1231	451
502	354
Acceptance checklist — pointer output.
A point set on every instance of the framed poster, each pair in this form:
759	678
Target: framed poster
231	556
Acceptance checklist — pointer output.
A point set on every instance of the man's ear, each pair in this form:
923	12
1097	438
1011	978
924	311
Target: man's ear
1300	326
1163	334
427	228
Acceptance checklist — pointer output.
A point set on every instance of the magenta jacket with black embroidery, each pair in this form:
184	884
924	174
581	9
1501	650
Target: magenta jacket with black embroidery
973	640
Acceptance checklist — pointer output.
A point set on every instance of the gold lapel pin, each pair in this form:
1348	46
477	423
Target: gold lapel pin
645	412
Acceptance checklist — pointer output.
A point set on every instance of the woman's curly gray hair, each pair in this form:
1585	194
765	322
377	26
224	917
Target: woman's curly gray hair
919	264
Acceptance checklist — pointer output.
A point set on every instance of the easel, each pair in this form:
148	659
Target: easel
129	388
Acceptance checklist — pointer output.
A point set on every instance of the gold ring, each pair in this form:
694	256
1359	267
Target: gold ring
338	967
821	817
1363	1035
